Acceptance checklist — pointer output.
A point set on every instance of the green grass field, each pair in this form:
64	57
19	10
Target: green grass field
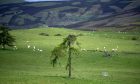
25	66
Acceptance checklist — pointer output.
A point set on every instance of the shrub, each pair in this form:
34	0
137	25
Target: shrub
44	34
57	35
80	34
134	38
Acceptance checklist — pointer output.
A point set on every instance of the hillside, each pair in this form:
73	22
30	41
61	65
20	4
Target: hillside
79	14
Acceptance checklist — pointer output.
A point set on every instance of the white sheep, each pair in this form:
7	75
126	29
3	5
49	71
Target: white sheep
34	48
83	49
104	48
105	74
27	41
40	50
113	49
97	49
15	48
28	46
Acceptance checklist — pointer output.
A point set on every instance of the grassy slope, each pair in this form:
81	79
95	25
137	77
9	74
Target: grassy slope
24	66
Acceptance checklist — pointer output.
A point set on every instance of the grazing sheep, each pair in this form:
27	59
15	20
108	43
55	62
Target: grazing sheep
97	49
40	50
105	49
83	49
28	46
15	48
113	49
105	74
34	48
27	41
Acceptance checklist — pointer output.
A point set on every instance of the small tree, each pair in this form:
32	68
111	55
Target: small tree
66	46
5	37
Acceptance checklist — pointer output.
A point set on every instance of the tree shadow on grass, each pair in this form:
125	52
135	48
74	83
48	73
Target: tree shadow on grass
64	77
6	49
130	52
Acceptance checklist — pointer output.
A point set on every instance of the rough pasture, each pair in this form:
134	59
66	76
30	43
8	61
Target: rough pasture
25	66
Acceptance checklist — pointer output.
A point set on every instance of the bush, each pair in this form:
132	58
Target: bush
134	38
57	35
44	34
80	34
